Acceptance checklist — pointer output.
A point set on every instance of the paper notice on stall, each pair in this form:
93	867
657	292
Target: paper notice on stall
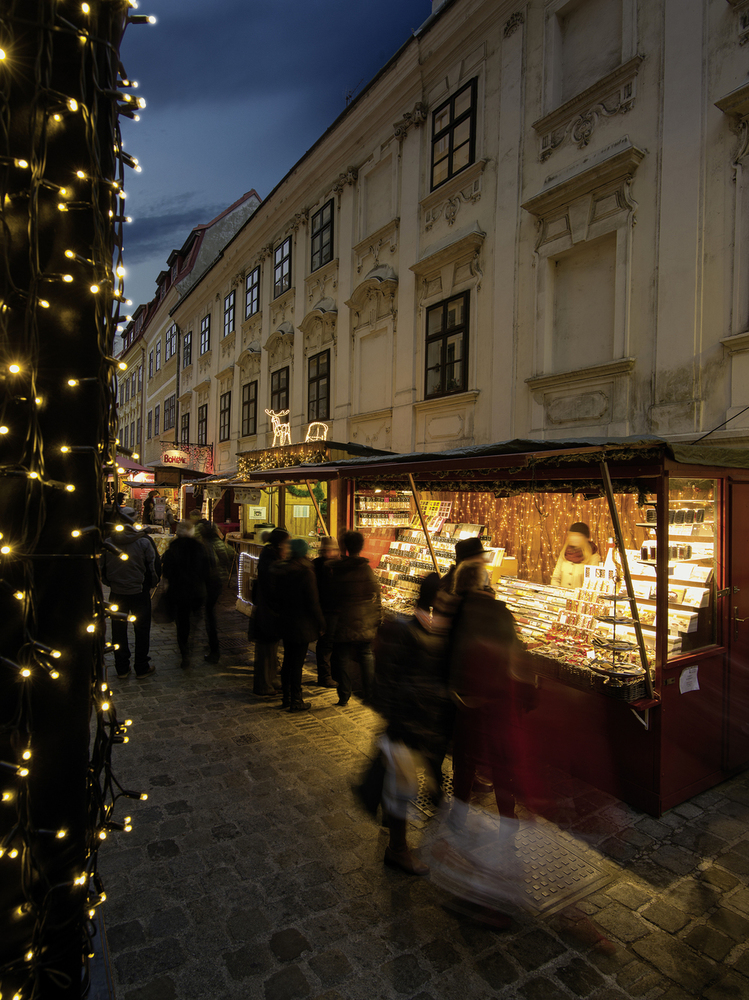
688	680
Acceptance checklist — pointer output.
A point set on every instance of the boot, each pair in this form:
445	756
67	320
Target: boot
398	853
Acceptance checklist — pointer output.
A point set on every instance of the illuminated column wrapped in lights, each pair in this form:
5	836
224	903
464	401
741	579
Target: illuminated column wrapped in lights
61	290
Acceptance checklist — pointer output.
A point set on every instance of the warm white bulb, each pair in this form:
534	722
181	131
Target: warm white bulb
91	628
94	289
67	278
73	381
73	104
70	488
3	429
82	176
14	369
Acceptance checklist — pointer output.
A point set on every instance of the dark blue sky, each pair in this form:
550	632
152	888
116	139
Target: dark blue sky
237	91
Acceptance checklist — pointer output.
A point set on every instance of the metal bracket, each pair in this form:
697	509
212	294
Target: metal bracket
644	722
724	592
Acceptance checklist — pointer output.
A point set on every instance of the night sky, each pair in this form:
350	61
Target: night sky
236	92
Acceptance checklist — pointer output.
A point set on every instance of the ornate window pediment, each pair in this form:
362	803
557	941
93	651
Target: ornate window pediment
378	288
449	263
280	344
249	362
319	325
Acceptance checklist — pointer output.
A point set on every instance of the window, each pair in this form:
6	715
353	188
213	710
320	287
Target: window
150	364
184	431
149	425
123	437
322	236
447	346
454	135
156	418
170	342
282	268
139	432
158	355
279	390
126	390
132	384
187	349
318	387
140	377
252	293
205	334
224	416
169	412
249	409
229	313
203	424
132	434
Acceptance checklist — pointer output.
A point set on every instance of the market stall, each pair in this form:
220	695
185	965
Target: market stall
622	564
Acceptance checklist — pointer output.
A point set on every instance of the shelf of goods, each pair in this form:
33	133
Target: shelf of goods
378	510
408	561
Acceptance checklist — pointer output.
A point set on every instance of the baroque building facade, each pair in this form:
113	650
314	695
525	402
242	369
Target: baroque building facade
532	223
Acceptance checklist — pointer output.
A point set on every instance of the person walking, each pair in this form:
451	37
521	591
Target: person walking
267	621
322	565
148	507
188	574
130	582
219	560
302	621
356	598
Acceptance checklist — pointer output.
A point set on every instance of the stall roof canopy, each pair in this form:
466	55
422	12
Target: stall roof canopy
516	457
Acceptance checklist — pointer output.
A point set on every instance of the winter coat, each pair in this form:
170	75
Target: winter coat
267	618
188	573
571	574
356	596
219	556
324	578
295	595
140	571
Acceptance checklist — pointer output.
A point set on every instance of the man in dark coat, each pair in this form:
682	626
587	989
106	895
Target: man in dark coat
329	553
356	597
188	574
267	620
130	581
295	591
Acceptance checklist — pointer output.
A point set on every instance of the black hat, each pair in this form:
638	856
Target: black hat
468	548
580	528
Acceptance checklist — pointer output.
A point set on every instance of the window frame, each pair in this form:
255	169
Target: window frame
205	334
277	391
157	359
156	419
149	425
170	410
315	381
322	232
443	336
138	431
150	363
449	130
170	342
203	424
282	268
249	409
224	416
187	349
140	378
230	304
184	429
252	293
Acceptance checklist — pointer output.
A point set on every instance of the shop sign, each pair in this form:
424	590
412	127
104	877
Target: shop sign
173	457
257	513
244	495
213	492
197	458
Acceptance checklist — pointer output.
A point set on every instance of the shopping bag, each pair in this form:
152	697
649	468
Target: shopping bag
160	612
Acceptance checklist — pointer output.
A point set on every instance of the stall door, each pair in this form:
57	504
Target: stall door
738	634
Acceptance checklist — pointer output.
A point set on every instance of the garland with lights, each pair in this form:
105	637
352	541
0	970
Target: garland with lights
61	287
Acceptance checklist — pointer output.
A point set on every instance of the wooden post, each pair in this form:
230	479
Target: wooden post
423	522
317	508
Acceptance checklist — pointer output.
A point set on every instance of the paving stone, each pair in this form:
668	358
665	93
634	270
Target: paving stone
145	963
288	984
692	896
676	993
633	896
497	970
168	922
288	944
579	977
245	925
621	922
709	942
248	961
331	967
122	937
534	950
441	955
736	862
699	841
539	989
652	828
676	859
730	987
665	916
731	923
675	960
720	879
404	973
162	988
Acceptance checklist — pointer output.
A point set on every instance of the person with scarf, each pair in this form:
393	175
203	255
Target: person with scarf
578	552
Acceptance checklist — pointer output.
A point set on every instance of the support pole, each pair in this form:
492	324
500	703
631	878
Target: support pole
316	506
420	512
635	614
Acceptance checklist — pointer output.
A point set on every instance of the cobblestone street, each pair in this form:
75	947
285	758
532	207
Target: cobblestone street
251	871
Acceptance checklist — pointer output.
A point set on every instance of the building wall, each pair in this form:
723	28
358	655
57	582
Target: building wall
599	237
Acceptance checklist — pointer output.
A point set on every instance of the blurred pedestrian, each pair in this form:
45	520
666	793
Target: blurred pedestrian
356	599
148	507
267	620
466	550
187	571
130	581
302	621
219	561
322	565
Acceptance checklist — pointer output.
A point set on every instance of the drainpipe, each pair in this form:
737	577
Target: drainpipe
176	391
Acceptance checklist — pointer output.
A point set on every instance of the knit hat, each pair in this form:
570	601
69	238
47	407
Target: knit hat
468	548
580	528
299	548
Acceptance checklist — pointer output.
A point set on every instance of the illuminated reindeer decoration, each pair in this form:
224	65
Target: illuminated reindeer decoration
281	432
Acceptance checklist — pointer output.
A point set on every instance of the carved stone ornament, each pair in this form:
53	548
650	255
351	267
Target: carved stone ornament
227	344
348	177
300	219
225	378
204	363
317	283
266	252
282	309
736	107
319	325
280	344
377	291
515	21
372	246
576	120
446	201
249	363
414	119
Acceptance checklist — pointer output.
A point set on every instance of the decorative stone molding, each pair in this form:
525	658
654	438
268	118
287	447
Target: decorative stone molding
742	9
515	21
596	395
319	325
345	178
736	344
251	329
317	283
225	378
411	119
577	119
185	402
374	297
372	246
249	363
227	344
266	252
204	363
372	429
462	189
300	219
203	391
736	106
282	308
280	344
464	256
186	375
446	420
238	279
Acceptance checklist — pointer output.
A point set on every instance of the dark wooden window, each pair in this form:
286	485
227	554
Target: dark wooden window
224	416
170	342
318	387
158	355
187	349
252	293
150	364
282	268
169	411
149	425
322	236
279	390
205	334
454	134
156	418
184	431
249	409
203	424
447	347
229	303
